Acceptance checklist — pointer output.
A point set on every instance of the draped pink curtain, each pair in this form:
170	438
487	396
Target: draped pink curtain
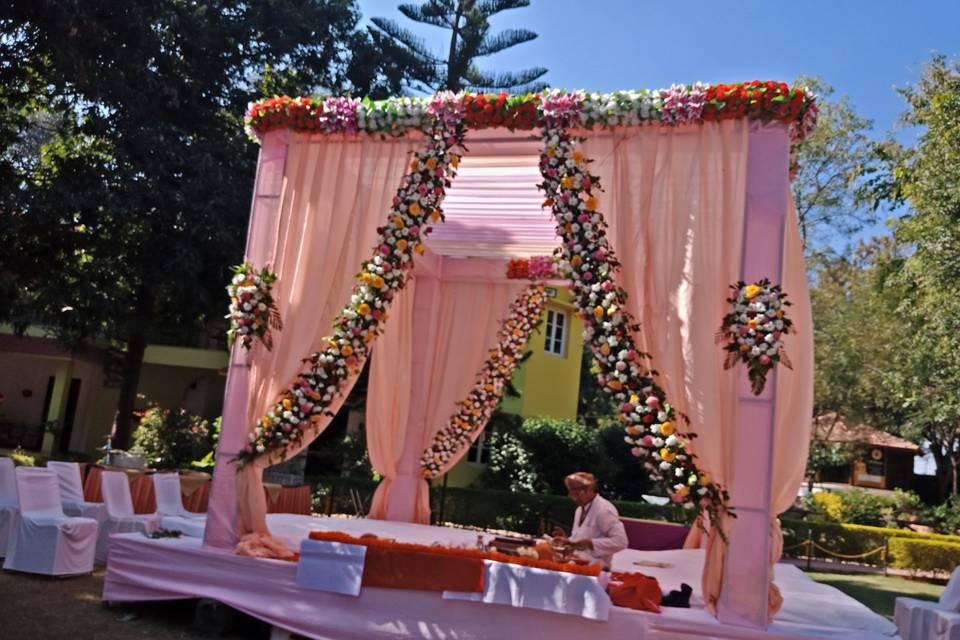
335	195
675	201
457	323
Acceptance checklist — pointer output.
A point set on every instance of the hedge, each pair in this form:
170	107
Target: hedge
488	509
853	539
924	555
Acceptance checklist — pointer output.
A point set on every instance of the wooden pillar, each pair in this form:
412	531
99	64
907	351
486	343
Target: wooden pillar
747	570
221	528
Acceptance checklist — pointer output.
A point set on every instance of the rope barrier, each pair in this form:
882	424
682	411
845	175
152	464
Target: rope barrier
845	556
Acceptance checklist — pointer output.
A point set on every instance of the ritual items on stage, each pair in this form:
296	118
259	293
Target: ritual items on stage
568	566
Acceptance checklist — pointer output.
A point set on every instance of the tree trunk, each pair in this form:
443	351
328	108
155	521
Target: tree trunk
453	83
132	363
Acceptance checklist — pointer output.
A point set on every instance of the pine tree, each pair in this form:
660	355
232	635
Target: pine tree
470	38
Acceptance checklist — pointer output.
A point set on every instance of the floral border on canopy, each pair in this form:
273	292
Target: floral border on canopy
753	330
679	104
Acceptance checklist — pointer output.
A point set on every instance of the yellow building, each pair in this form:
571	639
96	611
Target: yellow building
548	381
41	383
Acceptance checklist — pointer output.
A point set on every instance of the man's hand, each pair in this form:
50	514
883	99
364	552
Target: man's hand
583	544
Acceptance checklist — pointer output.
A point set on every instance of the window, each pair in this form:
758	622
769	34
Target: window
480	449
556	338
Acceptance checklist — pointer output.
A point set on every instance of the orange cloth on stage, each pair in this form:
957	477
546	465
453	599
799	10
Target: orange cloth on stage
421	570
635	591
398	565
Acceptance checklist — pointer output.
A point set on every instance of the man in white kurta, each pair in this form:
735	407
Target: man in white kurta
597	532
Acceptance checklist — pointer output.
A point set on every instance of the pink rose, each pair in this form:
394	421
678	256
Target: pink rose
384	249
648	440
652	401
764	359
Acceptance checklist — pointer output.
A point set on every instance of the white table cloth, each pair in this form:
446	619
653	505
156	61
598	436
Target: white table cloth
71	492
334	567
531	588
115	488
45	540
9	503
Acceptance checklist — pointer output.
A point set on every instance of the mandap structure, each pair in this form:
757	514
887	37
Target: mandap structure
419	232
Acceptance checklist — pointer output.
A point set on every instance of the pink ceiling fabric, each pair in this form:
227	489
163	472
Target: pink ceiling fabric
493	208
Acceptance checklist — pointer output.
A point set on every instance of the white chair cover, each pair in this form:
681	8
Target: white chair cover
950	598
71	491
9	504
120	516
166	486
174	516
45	540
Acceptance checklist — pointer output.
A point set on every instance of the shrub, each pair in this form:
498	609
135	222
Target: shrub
536	456
172	439
945	517
924	555
857	506
21	458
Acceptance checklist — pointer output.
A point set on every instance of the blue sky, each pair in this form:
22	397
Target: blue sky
863	48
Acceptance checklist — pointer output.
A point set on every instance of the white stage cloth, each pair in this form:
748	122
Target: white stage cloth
144	569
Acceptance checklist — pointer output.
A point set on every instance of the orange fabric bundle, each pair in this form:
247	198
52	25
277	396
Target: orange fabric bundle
635	591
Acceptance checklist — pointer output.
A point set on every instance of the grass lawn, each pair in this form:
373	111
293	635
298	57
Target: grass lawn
877	591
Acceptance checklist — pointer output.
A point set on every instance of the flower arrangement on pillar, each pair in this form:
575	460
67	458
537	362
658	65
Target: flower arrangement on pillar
253	312
754	330
325	373
495	374
650	421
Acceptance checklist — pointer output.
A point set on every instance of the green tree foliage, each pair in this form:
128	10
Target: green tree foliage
928	177
136	193
470	38
835	166
174	439
535	457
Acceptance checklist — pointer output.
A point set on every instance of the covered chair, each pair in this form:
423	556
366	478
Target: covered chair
173	515
9	504
71	492
120	515
45	540
920	619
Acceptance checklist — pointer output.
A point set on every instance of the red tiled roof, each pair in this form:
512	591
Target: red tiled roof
833	428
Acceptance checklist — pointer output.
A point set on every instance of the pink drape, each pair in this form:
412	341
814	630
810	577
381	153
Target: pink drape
335	195
675	201
439	335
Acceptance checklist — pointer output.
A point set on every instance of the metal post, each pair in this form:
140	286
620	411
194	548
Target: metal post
809	547
886	553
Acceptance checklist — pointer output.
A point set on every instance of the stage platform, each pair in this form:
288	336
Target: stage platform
141	569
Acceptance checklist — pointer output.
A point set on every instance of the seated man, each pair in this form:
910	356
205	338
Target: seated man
597	532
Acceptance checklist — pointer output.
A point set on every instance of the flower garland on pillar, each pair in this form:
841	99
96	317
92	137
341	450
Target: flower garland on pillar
650	421
495	374
253	312
414	207
754	330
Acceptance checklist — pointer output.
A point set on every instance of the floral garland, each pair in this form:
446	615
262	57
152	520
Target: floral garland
253	311
650	421
679	104
326	372
495	374
754	329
